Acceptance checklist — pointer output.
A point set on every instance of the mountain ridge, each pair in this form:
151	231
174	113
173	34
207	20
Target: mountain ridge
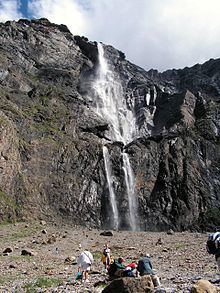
52	163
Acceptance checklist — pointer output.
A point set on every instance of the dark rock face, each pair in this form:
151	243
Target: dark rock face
51	138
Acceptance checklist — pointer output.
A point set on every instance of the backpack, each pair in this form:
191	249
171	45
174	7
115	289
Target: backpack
213	243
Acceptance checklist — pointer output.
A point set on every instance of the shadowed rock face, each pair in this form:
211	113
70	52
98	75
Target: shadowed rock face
51	161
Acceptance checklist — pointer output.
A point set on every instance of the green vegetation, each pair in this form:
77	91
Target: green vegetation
180	245
97	255
6	199
22	232
212	216
43	283
4	279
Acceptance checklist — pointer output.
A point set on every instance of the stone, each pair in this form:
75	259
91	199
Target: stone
44	231
131	285
170	232
28	252
8	250
51	239
203	286
43	223
70	259
159	241
106	233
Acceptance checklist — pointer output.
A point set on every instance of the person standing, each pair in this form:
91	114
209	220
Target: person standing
84	262
213	246
107	255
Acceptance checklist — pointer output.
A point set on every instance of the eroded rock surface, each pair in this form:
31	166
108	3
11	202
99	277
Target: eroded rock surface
51	163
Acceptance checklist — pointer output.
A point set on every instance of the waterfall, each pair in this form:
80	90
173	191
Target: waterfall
113	203
130	185
111	106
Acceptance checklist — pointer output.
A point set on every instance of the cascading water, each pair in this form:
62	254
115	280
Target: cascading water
130	185
112	107
108	172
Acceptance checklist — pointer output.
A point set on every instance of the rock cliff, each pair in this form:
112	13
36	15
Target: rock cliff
51	159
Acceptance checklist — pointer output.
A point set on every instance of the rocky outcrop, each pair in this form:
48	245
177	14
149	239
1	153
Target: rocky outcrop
51	136
130	285
203	286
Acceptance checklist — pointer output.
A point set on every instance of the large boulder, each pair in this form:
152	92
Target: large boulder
203	286
130	285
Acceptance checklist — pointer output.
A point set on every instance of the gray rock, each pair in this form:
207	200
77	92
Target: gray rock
106	233
52	164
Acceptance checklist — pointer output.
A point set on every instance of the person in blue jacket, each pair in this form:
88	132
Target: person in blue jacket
145	267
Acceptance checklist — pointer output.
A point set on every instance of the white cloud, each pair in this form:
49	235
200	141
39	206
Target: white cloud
9	9
66	11
153	33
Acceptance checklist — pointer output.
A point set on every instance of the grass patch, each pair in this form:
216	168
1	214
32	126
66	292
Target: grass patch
42	283
6	199
180	246
97	255
22	232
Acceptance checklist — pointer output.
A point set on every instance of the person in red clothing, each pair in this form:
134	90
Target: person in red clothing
131	270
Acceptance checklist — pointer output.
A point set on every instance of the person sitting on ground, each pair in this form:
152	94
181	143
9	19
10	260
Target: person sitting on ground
116	268
84	262
106	258
145	268
130	270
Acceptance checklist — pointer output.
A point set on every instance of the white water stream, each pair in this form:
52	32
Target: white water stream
111	106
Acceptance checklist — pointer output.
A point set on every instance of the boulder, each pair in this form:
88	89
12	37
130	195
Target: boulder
70	259
51	239
170	232
203	286
43	223
28	252
130	285
8	250
106	233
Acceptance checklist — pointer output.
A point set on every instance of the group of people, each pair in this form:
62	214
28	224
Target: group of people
117	267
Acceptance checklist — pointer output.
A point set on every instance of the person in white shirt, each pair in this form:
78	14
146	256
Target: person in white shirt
84	262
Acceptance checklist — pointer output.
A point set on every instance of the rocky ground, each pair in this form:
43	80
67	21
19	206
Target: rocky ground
179	261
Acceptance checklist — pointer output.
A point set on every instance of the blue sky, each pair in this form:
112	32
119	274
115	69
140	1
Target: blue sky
160	34
23	8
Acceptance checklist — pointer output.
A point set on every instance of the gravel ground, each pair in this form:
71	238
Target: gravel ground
179	261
